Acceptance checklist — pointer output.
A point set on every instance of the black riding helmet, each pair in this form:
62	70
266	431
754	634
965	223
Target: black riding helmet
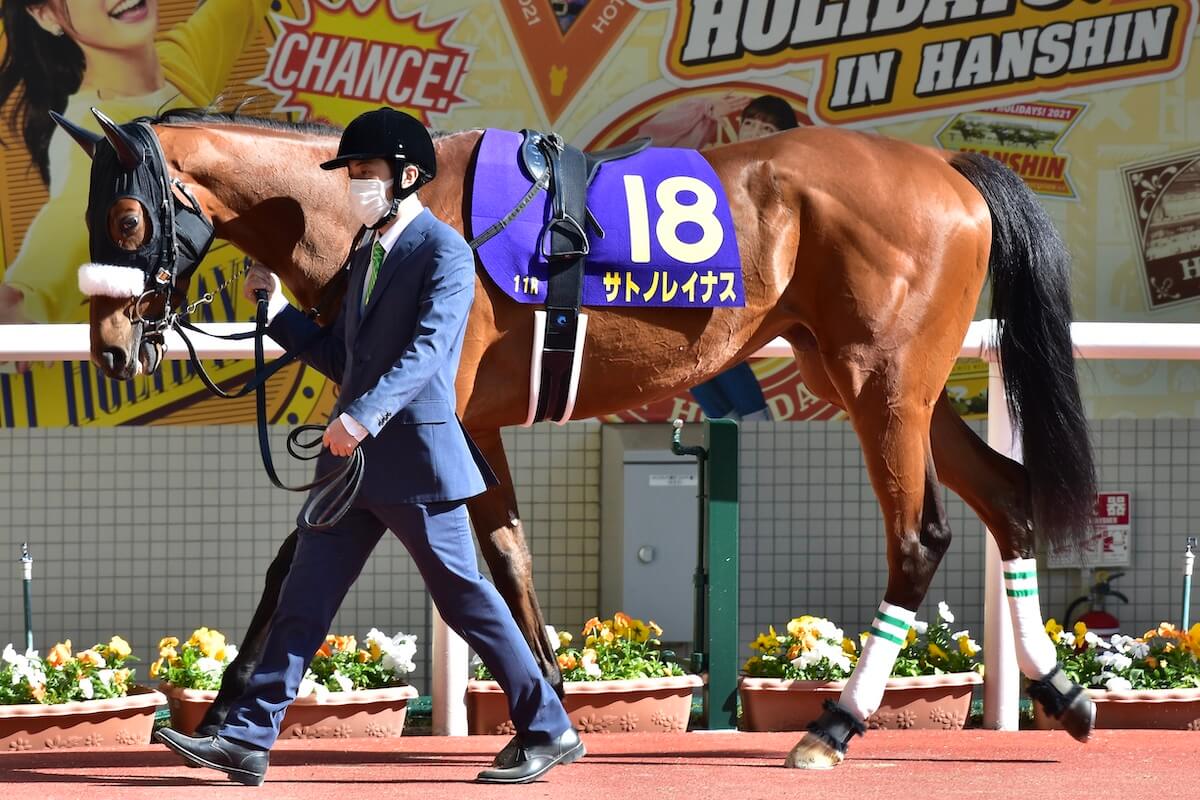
393	136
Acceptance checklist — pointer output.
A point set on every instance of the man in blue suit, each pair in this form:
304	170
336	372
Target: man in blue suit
394	351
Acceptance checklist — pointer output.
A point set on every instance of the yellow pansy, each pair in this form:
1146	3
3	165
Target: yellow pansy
155	667
376	653
848	647
121	676
638	631
564	638
119	647
911	637
1053	629
168	641
1080	631
169	654
751	664
796	626
936	651
965	647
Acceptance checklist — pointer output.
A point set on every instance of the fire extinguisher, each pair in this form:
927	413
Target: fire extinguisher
1096	618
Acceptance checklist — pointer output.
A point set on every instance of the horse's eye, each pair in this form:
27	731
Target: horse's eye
129	224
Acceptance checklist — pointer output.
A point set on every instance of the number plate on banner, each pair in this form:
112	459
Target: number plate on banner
668	234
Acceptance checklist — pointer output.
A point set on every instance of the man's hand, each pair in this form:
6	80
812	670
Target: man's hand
338	439
259	277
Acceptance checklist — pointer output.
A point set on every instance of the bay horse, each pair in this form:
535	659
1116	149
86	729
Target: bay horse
867	254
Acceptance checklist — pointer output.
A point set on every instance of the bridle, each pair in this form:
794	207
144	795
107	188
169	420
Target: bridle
134	166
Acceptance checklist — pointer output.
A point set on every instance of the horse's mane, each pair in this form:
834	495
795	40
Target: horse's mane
201	115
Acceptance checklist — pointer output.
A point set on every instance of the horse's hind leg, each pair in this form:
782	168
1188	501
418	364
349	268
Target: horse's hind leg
502	542
233	682
997	488
892	420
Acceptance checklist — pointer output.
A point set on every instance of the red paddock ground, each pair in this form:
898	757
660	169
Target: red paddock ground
886	765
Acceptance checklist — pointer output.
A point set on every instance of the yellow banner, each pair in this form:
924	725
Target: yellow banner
1091	103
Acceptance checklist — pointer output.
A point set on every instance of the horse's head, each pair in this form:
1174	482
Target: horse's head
147	234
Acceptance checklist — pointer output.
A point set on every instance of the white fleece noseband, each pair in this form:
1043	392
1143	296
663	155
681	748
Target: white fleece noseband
109	280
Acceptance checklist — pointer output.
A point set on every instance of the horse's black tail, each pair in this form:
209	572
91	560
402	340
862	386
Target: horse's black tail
1031	298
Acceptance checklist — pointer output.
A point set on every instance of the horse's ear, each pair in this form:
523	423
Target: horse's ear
128	153
82	136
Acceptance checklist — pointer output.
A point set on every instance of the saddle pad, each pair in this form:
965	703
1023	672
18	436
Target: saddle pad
669	237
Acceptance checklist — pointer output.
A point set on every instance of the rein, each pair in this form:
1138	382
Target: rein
336	489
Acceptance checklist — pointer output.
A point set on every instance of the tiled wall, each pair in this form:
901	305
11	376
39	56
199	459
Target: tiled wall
154	531
147	532
812	539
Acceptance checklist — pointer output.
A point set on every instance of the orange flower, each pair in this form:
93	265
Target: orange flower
60	654
793	652
621	620
1152	662
91	657
657	631
38	692
363	656
567	661
121	676
155	667
326	648
592	624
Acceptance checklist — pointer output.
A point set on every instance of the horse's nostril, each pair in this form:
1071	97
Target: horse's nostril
114	359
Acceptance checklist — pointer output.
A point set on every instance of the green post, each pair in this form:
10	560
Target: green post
27	569
1189	559
721	565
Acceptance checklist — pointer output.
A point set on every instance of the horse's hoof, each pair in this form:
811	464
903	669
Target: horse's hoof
1066	701
1080	717
813	753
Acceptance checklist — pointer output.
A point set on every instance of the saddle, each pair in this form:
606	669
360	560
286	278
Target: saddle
566	172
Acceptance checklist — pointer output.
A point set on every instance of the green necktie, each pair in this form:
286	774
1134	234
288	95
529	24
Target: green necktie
377	254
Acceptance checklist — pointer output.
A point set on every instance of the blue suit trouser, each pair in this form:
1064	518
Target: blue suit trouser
326	563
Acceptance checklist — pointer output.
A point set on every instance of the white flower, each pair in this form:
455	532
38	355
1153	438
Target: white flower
1139	650
1066	638
920	626
1114	661
1118	684
344	683
231	652
105	676
310	685
209	666
85	684
944	612
1091	638
10	656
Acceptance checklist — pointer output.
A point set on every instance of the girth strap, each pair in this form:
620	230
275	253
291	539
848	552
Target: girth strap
564	243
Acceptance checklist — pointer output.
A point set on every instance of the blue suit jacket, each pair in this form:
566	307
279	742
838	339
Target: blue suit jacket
395	362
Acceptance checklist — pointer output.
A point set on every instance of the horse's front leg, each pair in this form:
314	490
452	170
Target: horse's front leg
233	682
502	541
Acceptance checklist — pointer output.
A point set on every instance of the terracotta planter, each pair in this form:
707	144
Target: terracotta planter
117	722
1163	709
644	705
928	702
369	713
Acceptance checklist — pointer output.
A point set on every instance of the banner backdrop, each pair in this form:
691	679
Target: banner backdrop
1095	103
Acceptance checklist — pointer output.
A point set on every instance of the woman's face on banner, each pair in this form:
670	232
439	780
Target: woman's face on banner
102	24
754	128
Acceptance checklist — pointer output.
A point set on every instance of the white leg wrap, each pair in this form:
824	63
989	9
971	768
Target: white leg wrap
1035	651
864	690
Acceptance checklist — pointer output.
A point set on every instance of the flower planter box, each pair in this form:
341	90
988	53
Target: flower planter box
927	702
644	705
115	722
1163	709
367	713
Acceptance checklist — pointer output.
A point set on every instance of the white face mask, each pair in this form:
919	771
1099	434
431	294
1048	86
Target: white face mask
368	200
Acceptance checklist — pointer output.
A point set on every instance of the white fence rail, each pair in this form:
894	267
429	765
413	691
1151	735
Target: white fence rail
1093	340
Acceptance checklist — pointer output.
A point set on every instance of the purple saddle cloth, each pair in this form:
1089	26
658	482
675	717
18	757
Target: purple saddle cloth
668	234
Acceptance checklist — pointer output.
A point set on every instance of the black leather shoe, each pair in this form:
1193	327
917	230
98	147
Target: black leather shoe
242	764
529	762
